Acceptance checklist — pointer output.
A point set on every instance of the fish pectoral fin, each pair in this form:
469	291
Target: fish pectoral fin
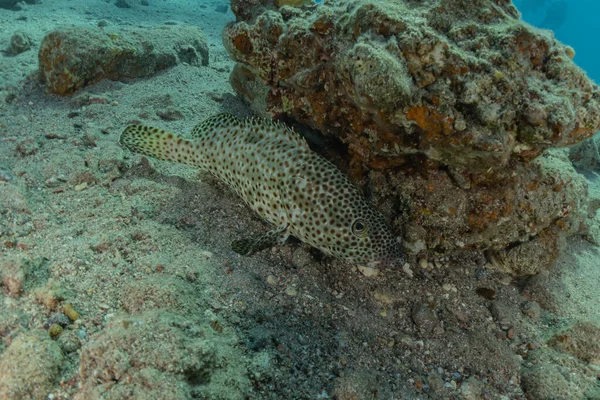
249	246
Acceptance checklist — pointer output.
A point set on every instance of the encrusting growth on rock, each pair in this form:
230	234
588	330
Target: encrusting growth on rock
450	111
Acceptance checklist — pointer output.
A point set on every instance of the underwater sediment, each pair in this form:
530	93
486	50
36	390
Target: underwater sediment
117	275
445	107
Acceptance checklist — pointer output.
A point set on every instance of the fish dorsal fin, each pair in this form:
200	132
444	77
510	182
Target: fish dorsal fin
256	129
273	129
214	122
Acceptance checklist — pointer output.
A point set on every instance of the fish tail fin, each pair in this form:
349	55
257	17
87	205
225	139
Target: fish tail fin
160	144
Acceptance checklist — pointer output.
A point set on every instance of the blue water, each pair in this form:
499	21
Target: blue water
574	22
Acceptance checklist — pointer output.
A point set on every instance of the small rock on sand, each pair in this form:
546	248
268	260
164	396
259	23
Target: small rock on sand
71	58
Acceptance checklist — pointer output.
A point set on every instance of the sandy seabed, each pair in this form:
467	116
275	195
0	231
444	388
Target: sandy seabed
165	309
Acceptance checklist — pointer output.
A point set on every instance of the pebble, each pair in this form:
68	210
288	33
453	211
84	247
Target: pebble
435	382
301	257
206	254
368	271
486	292
500	313
69	342
291	291
438	330
70	312
460	124
55	330
471	389
383	297
407	270
507	280
451	385
531	309
271	280
59	319
424	318
81	186
481	274
510	333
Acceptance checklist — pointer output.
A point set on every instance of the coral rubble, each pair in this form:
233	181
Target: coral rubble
442	104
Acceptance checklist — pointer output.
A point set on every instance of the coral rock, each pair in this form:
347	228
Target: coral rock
471	88
14	4
72	58
19	43
442	104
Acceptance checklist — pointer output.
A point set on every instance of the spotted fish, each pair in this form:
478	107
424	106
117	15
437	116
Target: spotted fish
273	170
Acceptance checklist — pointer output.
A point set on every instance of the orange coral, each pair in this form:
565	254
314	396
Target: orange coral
242	43
431	121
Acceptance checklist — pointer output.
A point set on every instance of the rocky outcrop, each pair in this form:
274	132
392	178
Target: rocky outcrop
442	105
72	58
14	4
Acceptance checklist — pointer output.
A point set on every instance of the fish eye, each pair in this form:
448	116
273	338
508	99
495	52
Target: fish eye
360	228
